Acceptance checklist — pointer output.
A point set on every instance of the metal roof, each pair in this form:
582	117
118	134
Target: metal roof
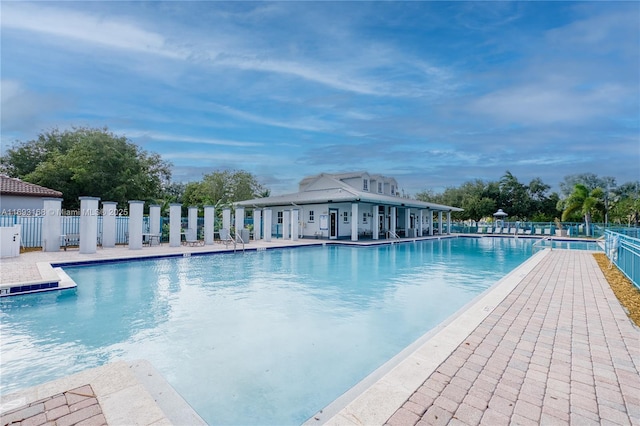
341	195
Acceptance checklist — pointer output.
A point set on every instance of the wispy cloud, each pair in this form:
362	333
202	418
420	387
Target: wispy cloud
172	138
112	32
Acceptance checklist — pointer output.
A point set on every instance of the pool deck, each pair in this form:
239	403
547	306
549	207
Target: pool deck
548	344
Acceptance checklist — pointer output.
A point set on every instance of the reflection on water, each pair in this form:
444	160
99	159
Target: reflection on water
264	337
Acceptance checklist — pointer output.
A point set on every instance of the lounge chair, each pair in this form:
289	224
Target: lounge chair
538	231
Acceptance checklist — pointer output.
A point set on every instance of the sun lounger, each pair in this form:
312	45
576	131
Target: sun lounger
538	231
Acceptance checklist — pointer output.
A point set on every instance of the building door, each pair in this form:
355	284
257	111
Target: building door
333	224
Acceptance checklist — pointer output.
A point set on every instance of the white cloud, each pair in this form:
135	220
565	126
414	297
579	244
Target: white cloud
110	32
309	124
22	108
166	137
542	104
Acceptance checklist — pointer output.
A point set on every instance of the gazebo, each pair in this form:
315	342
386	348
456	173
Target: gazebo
499	216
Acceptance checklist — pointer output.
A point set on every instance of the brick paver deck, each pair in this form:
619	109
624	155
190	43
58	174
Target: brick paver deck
558	350
75	407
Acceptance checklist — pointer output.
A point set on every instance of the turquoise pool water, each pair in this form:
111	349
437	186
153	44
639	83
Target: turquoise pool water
264	337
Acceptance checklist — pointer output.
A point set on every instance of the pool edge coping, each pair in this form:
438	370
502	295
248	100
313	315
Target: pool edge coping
129	392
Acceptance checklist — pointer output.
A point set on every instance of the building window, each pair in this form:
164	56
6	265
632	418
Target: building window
345	217
365	185
280	217
380	188
311	216
393	190
364	218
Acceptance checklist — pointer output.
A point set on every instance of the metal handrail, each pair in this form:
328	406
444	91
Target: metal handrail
391	234
534	248
235	241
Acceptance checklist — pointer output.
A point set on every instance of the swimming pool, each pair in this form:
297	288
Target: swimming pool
264	337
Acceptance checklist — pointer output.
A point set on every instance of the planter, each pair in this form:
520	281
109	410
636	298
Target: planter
561	232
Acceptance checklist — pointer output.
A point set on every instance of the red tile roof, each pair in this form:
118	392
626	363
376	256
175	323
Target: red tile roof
14	186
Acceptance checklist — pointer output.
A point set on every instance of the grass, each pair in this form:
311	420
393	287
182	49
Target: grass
627	293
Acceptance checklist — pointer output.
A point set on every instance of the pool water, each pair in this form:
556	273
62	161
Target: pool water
267	337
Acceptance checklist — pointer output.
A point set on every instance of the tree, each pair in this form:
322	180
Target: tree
583	201
224	187
89	162
515	197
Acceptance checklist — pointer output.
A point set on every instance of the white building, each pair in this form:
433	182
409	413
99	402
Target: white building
347	205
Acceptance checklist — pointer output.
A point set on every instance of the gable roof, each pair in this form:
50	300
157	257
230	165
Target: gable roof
14	186
336	191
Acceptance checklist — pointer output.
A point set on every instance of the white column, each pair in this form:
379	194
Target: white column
430	216
354	221
295	220
226	219
448	222
135	224
257	228
376	222
239	220
154	223
175	223
109	211
286	224
192	233
407	221
393	220
209	224
51	229
88	224
420	218
268	214
440	222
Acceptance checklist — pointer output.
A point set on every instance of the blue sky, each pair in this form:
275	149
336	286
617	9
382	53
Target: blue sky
431	93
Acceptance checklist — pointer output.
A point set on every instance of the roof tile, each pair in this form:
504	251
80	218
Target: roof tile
14	186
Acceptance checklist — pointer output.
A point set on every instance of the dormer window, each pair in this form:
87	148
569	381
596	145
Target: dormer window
380	188
365	184
393	190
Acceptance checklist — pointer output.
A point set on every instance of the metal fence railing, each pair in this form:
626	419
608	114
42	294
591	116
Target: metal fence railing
31	232
569	229
624	252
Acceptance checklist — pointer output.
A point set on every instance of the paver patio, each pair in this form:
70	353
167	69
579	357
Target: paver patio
558	350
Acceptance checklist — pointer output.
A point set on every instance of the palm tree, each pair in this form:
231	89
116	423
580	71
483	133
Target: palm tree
583	201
